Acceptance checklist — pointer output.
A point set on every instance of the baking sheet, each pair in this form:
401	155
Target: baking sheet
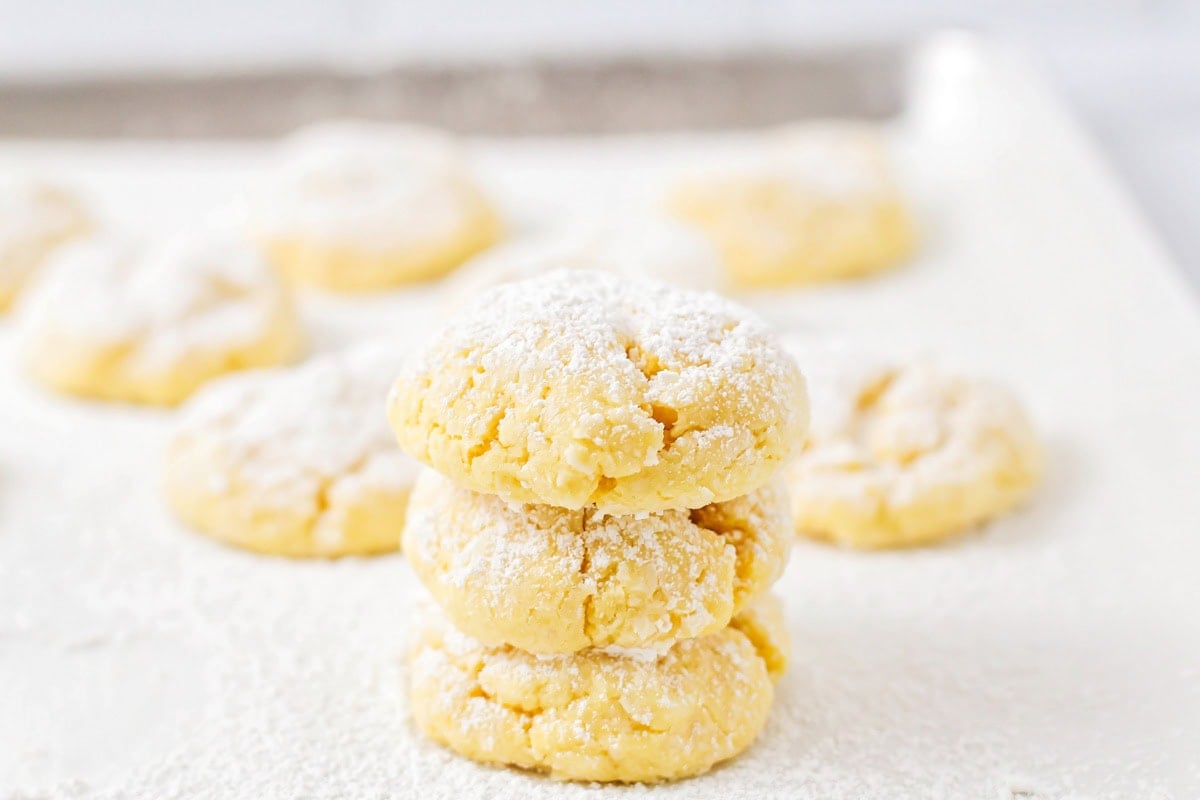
1054	654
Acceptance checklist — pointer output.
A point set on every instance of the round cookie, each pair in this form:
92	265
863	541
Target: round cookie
905	454
116	319
549	580
583	388
295	461
640	247
592	716
819	203
35	219
359	207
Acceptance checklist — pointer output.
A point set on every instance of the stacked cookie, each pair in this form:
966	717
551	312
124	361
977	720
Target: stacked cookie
601	526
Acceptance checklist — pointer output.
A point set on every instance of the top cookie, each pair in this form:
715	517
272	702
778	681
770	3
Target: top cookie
354	206
581	388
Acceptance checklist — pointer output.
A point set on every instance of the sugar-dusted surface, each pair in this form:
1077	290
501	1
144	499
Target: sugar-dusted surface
582	387
1052	655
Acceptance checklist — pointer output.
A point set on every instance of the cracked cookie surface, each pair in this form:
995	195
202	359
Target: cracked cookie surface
819	202
114	318
905	453
593	716
581	388
296	462
552	580
354	206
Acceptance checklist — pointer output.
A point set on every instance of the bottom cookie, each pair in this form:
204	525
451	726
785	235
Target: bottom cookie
592	716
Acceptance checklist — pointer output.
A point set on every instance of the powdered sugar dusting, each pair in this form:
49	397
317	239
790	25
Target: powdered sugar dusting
886	431
292	431
568	388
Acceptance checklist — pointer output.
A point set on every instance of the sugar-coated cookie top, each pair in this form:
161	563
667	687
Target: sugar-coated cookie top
163	299
582	387
641	247
31	216
366	185
291	431
895	430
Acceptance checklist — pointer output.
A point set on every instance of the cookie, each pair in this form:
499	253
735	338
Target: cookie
357	207
905	454
35	219
582	388
641	247
112	318
294	461
549	580
592	716
819	202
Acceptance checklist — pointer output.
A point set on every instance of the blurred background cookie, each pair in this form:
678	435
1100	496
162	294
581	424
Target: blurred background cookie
905	453
295	461
817	202
35	219
118	318
355	206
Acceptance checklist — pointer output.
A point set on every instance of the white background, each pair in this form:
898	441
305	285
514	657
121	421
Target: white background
1131	68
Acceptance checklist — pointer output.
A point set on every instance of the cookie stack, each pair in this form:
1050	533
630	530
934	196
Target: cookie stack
601	526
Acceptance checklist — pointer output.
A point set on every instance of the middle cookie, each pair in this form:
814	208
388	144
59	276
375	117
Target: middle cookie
552	580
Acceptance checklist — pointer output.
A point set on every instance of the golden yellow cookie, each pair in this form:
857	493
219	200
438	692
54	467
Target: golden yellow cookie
640	247
35	219
116	319
295	461
905	454
593	716
549	580
359	207
583	388
820	204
